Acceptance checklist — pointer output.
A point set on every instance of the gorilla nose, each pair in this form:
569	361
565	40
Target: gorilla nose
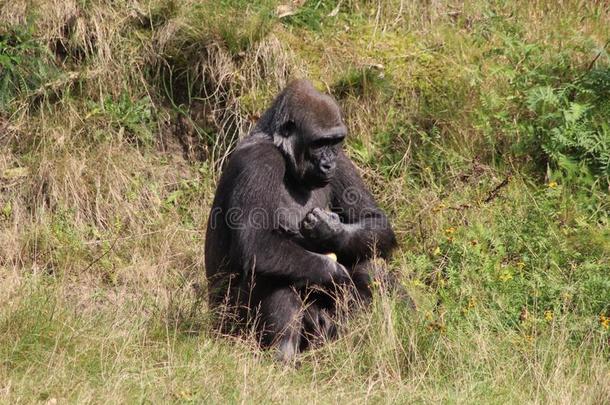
327	167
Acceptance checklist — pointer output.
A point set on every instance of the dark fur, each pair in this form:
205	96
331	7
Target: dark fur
271	222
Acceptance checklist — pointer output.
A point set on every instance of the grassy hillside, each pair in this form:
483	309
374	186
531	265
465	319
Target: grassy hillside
482	127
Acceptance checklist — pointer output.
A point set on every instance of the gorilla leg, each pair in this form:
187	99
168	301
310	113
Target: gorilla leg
362	276
280	321
333	307
291	321
327	309
319	323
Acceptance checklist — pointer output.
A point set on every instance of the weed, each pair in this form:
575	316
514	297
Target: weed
25	63
135	119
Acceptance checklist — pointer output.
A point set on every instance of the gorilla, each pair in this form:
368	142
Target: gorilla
293	228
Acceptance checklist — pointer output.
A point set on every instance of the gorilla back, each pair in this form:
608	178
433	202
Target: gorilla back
287	196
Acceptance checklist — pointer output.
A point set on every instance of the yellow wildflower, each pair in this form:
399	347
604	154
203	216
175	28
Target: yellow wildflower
450	230
520	265
552	184
439	207
604	321
505	276
548	315
472	302
437	251
437	326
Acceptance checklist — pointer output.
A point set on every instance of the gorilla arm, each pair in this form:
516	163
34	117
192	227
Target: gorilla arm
357	228
257	243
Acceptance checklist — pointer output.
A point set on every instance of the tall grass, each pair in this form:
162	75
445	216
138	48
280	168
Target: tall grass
480	126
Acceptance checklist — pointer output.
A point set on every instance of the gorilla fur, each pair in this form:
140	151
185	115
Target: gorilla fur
287	196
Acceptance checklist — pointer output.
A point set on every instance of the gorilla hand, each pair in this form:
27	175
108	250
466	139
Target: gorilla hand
340	275
322	226
327	272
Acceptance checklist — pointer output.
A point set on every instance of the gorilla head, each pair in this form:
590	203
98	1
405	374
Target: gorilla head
307	127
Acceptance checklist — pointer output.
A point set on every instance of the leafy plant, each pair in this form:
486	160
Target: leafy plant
25	63
570	125
557	110
133	118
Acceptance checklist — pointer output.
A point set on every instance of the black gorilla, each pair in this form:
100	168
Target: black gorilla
287	197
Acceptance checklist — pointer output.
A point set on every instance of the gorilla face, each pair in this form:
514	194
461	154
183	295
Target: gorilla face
311	152
320	160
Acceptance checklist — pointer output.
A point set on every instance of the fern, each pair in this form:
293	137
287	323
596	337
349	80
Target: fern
569	123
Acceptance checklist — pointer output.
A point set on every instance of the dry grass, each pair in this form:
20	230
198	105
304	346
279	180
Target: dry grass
107	170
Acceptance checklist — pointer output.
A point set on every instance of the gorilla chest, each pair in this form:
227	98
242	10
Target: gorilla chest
294	207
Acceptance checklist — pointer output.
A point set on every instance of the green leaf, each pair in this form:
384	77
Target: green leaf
575	112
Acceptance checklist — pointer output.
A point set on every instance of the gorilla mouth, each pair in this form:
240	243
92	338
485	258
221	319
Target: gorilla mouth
322	180
316	180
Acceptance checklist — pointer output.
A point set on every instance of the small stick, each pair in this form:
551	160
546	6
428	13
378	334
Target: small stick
100	257
494	193
597	56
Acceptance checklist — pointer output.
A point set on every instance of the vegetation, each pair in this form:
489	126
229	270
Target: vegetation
483	128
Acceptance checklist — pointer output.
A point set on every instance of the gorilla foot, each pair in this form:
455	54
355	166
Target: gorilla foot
286	352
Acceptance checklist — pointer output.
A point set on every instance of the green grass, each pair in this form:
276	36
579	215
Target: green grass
481	128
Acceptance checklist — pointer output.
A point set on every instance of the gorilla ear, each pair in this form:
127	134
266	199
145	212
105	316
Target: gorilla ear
288	128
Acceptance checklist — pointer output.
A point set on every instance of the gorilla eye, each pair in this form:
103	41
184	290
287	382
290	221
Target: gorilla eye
319	143
288	128
332	141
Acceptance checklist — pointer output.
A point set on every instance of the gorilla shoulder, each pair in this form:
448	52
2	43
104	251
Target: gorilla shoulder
256	156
